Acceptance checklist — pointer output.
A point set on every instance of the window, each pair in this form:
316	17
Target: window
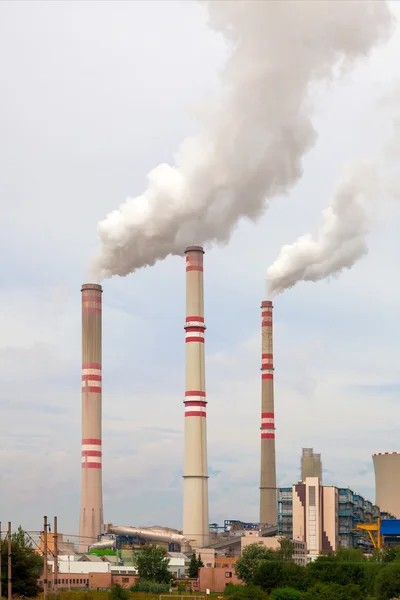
209	565
228	574
125	580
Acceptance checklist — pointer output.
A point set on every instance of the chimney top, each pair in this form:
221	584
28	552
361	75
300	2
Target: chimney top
194	249
92	286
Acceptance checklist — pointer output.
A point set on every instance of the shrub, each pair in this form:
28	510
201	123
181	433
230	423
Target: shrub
286	594
387	583
248	592
151	587
232	589
118	592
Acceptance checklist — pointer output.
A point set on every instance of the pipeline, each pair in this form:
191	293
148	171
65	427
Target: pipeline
108	543
151	534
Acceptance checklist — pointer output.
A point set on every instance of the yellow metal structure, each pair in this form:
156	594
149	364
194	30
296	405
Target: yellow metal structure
374	532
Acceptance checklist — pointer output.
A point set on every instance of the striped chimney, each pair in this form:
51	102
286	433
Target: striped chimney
195	478
268	501
91	516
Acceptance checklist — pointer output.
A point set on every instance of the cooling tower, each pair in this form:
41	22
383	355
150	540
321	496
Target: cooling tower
387	482
268	500
195	486
91	515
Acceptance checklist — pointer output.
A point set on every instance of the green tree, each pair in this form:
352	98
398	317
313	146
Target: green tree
333	591
390	554
194	565
387	583
152	565
251	558
270	575
342	568
286	549
286	593
27	565
278	574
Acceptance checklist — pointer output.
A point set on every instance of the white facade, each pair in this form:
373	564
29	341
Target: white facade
77	566
178	564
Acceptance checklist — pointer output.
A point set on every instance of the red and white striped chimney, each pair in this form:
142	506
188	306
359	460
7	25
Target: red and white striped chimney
195	478
268	499
91	515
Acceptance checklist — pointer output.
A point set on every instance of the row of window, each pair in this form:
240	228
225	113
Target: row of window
73	581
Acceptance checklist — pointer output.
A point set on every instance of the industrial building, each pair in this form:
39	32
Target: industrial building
311	465
325	516
322	517
387	481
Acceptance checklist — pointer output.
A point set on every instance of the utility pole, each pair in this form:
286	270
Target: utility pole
55	555
1	548
9	587
44	559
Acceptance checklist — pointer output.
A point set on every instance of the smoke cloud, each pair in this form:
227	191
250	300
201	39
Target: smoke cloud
342	238
251	141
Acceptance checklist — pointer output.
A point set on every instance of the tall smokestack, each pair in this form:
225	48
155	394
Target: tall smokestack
195	488
91	516
268	501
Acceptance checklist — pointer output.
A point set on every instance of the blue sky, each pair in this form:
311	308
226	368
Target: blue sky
92	96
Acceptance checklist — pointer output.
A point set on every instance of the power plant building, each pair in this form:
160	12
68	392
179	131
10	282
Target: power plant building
311	465
268	502
91	512
324	516
387	481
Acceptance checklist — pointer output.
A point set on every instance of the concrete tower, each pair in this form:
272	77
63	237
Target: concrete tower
91	517
268	500
195	478
387	482
311	465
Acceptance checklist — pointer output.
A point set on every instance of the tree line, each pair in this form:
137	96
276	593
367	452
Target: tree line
344	575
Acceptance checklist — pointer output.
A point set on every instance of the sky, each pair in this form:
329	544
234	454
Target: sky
92	96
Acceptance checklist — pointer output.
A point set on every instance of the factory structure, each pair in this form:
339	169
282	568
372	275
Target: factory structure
316	517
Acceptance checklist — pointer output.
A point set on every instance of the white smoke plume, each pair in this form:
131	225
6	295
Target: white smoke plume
251	143
342	238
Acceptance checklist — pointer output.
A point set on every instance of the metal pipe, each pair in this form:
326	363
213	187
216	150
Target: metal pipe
149	534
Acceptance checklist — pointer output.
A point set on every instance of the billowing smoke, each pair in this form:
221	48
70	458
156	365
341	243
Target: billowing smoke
342	238
252	140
